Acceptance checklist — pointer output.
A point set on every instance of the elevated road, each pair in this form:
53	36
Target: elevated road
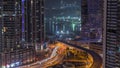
97	60
55	58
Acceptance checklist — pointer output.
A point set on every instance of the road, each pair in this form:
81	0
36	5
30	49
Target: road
53	61
97	60
55	58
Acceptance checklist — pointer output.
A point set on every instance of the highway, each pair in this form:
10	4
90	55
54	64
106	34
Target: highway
97	60
53	61
55	58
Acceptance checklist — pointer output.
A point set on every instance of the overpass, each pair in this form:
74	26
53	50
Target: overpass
97	60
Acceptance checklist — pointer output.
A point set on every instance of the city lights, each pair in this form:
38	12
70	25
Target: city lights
59	33
12	65
3	66
8	66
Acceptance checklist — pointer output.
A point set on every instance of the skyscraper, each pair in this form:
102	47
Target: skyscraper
21	29
84	11
9	25
112	34
92	18
84	16
33	34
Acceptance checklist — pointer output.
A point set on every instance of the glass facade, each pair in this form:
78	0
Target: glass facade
34	22
9	21
113	34
21	30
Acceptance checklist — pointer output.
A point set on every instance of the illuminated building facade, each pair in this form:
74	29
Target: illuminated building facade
112	34
10	21
21	29
17	58
33	34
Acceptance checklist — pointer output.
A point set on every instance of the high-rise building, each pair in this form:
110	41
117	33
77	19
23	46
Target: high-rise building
33	34
9	24
84	15
111	33
21	30
92	18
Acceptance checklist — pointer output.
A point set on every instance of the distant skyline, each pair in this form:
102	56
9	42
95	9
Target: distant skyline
62	8
57	3
63	16
59	33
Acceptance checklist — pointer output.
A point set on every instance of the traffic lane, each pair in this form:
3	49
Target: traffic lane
96	58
